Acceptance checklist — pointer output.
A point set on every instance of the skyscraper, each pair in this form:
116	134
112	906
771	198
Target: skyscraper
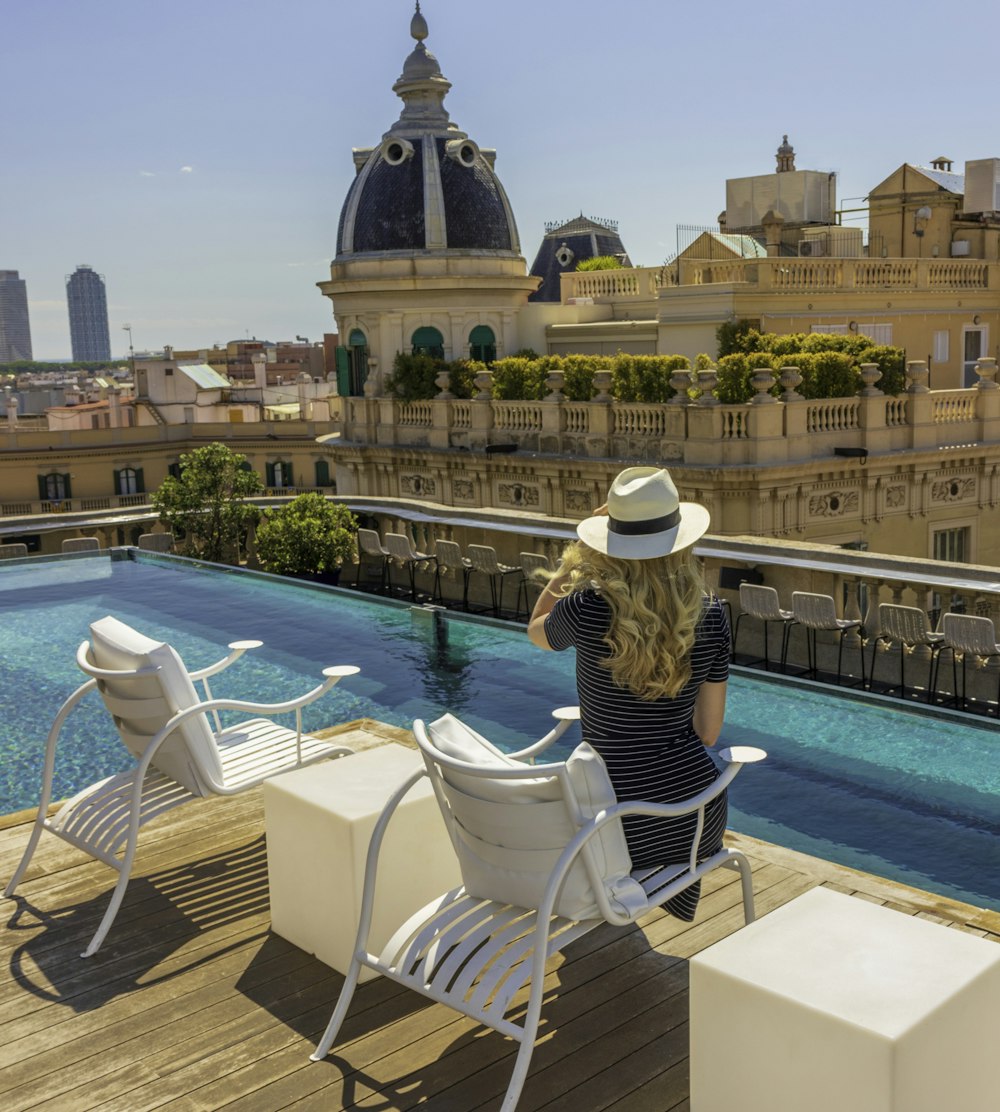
88	315
15	331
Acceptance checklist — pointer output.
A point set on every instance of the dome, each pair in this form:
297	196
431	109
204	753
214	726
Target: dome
427	186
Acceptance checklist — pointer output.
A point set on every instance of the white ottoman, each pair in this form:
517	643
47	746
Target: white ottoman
319	822
833	1004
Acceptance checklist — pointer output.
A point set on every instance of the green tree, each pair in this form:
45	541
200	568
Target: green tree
309	536
205	508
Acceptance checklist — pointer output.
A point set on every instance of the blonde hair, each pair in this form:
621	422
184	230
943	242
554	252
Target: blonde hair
655	609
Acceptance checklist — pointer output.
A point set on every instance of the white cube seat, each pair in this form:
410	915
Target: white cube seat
318	828
832	1003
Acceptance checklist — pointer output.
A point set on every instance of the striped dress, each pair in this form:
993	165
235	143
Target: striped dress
649	746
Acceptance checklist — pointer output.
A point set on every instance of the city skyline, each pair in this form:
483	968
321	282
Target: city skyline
209	196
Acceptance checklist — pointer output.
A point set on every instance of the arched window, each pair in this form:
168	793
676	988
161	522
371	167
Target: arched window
279	474
428	341
352	365
482	344
129	480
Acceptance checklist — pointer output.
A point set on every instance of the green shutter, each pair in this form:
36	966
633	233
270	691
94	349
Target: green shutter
289	481
67	487
343	372
174	470
269	474
43	488
140	482
118	481
323	473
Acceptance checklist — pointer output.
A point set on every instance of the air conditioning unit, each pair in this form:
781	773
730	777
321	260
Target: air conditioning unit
812	248
959	247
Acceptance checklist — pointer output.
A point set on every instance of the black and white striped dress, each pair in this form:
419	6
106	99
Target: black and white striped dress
649	746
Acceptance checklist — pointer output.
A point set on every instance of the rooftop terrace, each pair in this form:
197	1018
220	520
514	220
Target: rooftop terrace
194	1003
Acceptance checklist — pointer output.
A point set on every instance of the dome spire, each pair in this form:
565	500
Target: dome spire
421	86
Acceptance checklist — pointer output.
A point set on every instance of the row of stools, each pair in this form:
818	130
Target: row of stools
964	637
478	559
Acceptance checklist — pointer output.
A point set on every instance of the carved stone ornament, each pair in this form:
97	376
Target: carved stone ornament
895	496
463	490
578	501
835	503
418	485
953	490
517	494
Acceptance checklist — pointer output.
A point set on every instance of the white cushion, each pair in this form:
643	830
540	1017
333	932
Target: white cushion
189	755
511	831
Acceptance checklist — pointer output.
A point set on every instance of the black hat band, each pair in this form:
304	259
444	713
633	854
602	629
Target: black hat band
643	528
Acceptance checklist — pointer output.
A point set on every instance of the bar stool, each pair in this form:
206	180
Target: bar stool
449	557
966	635
819	612
908	626
484	560
531	563
369	544
401	551
761	603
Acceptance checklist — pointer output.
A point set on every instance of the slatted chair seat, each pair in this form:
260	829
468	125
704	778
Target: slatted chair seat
450	558
369	545
531	564
483	558
819	613
402	552
180	750
965	636
543	860
760	602
908	627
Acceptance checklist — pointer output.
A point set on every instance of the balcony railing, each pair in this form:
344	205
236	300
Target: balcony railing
763	431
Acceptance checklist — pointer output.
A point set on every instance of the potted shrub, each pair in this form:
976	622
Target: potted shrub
310	538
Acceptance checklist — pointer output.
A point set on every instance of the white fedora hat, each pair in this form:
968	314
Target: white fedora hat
646	518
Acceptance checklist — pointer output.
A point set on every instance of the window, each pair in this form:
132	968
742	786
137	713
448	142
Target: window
829	329
129	480
54	487
877	333
953	545
174	470
941	346
355	367
974	346
482	344
428	341
279	474
323	473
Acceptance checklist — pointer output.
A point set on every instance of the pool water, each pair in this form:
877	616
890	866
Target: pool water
906	795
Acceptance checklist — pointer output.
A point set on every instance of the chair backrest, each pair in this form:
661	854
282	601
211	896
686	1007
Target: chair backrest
399	546
483	558
147	686
449	554
759	601
532	562
13	551
967	633
903	623
81	544
156	542
817	611
509	822
369	543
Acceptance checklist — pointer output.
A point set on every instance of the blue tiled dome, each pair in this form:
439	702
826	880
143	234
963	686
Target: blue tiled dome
427	186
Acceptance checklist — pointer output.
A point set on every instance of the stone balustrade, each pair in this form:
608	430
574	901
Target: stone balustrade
700	432
785	274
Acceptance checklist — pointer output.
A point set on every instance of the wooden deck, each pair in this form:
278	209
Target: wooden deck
193	1004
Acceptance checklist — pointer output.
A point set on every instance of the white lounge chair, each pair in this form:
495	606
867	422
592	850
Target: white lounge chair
402	552
181	752
543	860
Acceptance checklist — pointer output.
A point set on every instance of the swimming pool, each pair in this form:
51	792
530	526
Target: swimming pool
911	796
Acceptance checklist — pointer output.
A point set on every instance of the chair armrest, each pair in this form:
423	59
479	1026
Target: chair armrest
237	649
565	716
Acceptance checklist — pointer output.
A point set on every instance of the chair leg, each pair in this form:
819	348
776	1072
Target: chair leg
785	638
339	1013
112	911
767	660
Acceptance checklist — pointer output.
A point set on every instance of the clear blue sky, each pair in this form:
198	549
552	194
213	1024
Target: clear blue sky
197	152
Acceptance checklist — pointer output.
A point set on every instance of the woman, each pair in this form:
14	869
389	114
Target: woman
652	659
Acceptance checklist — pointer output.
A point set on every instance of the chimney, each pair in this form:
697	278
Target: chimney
259	361
11	413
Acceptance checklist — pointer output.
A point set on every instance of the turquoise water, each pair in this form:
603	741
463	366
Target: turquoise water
901	794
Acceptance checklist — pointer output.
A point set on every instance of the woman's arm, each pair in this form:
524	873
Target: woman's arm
709	711
546	600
